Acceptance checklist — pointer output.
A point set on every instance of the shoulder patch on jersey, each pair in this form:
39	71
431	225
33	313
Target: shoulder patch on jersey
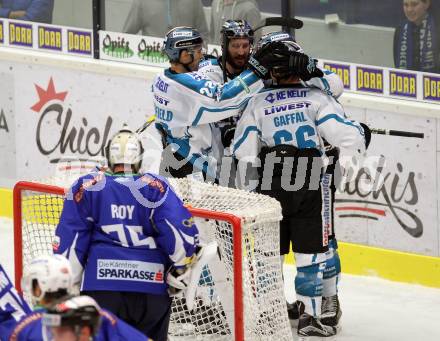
25	322
108	316
87	184
152	182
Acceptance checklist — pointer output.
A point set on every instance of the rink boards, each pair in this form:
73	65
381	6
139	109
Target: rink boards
54	108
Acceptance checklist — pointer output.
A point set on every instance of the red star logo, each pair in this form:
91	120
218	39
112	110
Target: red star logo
47	95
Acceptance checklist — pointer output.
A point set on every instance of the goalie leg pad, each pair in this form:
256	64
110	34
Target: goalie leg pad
332	271
309	281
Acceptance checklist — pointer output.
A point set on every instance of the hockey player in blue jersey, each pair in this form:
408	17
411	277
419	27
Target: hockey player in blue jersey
283	127
81	319
13	307
46	280
122	232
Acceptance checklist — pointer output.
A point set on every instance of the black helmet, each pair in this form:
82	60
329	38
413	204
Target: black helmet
75	312
282	57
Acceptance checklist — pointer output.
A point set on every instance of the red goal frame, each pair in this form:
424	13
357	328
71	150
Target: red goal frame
234	220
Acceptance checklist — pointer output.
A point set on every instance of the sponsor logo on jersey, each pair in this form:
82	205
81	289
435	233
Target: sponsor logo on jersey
118	48
3	122
128	270
342	70
79	42
49	38
285	94
2	35
162	114
161	100
285	107
151	52
326	210
431	88
369	79
20	34
161	85
403	84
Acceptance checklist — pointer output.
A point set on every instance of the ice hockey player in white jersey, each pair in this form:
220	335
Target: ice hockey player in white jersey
125	233
284	127
186	102
237	41
332	85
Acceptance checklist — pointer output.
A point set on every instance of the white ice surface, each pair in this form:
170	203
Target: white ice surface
373	309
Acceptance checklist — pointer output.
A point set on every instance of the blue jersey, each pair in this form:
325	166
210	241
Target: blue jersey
12	306
122	232
111	328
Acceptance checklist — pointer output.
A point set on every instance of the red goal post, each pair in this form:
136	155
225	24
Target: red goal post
252	275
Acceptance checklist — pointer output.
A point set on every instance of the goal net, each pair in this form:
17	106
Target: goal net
240	294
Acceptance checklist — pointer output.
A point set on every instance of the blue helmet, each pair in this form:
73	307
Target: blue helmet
237	29
179	39
279	36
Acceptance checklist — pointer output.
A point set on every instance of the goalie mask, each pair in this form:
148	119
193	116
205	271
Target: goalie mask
66	319
124	148
51	274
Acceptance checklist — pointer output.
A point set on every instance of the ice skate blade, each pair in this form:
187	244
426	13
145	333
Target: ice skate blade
317	338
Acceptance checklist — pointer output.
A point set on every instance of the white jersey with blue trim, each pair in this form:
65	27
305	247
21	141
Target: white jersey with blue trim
330	83
297	116
185	104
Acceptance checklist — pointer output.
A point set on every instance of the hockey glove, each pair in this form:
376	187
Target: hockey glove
261	61
177	279
305	66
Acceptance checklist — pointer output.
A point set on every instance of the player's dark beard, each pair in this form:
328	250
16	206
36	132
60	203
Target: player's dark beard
236	67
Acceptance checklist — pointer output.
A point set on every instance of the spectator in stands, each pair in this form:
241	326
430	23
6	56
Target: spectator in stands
416	41
222	10
156	17
31	10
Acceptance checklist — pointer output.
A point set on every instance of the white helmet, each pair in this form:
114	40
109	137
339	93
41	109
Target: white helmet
52	273
125	148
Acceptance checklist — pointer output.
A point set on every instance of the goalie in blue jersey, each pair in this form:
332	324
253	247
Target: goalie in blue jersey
126	235
48	283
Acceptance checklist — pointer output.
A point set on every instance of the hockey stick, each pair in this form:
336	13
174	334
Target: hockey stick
279	21
397	133
147	123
